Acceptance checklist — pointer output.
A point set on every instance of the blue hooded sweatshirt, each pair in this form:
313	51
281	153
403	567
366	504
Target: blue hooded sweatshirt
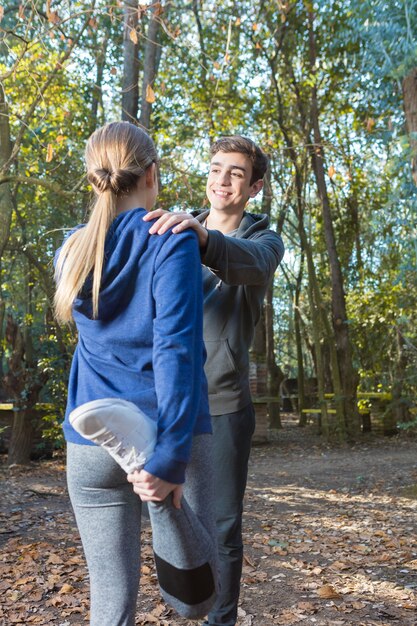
146	345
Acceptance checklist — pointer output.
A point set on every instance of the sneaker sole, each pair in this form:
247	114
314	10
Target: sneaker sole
103	403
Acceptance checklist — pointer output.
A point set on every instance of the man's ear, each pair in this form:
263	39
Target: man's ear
256	188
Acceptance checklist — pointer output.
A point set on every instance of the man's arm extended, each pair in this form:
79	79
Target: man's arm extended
243	261
235	261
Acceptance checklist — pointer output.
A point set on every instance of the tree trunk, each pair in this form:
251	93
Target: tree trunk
346	406
275	375
97	89
352	203
6	203
315	301
204	81
2	315
324	344
258	359
23	383
299	348
150	65
410	109
21	441
130	83
398	412
317	331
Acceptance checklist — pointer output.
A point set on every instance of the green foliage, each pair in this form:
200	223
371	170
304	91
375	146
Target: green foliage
412	425
228	67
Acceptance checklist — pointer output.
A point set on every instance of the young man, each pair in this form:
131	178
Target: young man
240	255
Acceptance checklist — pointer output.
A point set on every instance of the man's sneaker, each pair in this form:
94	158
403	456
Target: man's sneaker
118	426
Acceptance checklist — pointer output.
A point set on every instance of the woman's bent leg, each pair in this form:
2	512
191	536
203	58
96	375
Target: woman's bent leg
184	540
108	514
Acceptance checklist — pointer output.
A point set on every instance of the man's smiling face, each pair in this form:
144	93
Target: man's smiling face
229	184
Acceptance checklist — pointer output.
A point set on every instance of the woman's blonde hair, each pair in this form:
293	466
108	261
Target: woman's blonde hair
117	155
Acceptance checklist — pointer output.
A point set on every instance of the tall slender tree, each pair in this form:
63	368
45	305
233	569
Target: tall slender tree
347	404
130	82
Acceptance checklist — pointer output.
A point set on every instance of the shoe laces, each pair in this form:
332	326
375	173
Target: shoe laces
119	449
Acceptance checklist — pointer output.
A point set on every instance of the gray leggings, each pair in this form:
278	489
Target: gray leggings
108	515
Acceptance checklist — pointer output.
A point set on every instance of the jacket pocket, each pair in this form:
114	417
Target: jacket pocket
221	369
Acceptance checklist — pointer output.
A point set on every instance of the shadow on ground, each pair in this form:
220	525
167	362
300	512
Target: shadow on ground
330	539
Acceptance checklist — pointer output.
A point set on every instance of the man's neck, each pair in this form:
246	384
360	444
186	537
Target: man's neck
216	220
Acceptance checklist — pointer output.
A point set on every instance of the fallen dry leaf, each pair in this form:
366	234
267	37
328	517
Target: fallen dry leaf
299	529
66	588
327	592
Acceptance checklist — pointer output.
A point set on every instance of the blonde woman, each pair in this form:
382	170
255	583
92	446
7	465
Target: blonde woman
136	388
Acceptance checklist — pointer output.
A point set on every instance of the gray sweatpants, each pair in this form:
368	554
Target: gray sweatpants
108	515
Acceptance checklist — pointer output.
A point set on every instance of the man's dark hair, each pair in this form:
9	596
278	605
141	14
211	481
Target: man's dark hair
237	143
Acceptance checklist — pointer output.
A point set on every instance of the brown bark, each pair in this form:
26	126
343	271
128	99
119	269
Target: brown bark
23	384
346	406
2	314
21	441
274	372
6	203
275	375
48	286
314	300
97	89
409	86
317	312
206	88
298	343
352	203
323	339
150	64
398	412
258	348
130	84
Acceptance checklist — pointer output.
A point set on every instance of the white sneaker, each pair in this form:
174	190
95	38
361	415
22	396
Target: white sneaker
118	426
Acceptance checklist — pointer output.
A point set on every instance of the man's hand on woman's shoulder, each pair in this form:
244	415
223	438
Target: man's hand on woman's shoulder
178	221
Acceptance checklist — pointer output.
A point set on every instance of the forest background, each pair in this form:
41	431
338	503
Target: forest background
327	88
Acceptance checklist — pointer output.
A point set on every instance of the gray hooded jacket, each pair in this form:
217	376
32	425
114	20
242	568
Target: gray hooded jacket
238	269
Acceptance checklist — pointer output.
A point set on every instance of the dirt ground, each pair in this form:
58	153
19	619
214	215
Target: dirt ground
330	539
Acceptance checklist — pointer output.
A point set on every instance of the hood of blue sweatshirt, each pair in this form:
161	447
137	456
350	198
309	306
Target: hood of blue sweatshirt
125	244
